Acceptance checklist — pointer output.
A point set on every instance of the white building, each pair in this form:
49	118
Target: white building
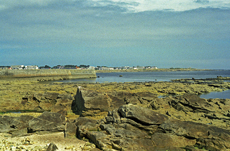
106	68
17	67
31	67
91	67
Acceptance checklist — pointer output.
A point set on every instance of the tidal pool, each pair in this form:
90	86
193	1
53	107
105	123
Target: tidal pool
220	95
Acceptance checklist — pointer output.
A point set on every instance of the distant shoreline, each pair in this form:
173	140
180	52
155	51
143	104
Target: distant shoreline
48	74
153	70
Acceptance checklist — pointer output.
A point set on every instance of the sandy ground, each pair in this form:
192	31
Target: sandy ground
44	140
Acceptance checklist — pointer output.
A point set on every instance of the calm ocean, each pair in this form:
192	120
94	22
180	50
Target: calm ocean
151	76
159	76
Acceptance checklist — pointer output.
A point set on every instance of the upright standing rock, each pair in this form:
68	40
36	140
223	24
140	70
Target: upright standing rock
86	102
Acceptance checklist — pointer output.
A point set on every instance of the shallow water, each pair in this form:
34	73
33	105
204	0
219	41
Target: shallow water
151	76
158	76
220	95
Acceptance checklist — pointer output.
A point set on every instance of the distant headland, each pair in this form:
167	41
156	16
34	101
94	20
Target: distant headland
46	73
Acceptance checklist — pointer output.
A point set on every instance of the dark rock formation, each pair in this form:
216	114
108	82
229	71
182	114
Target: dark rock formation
136	128
20	126
14	125
140	114
53	102
191	103
63	104
53	122
83	125
87	103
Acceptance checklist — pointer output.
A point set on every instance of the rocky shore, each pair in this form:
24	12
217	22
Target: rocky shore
114	116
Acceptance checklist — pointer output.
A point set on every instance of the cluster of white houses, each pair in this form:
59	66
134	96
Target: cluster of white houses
34	67
19	67
125	68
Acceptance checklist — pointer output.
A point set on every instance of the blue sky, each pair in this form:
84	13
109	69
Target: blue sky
176	33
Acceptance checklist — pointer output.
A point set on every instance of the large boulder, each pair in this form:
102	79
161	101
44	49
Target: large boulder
87	100
46	122
91	103
63	104
142	115
85	124
51	122
54	102
6	123
39	102
192	103
14	125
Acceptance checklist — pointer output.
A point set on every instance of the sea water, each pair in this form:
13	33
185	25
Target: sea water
220	95
151	76
158	76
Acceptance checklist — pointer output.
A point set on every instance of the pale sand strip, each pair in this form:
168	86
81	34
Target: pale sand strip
44	140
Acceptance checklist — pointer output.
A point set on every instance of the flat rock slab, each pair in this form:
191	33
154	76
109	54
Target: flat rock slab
48	122
143	115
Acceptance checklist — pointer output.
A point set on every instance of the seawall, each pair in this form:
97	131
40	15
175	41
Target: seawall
52	74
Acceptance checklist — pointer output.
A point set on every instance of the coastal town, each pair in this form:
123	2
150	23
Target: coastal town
35	67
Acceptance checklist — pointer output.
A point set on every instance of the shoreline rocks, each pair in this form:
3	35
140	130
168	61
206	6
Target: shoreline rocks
125	116
121	132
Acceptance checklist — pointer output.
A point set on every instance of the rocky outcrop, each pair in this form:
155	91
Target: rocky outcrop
87	103
209	137
27	95
23	125
54	102
207	108
14	125
192	103
141	115
136	128
127	120
187	108
51	122
114	130
130	127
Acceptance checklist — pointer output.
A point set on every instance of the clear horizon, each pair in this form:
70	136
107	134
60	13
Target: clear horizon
179	34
